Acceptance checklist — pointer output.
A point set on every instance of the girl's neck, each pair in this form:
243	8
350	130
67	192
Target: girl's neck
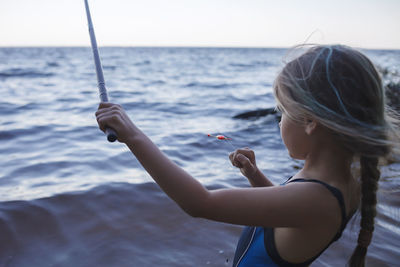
330	163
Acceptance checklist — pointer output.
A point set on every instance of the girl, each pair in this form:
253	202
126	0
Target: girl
333	110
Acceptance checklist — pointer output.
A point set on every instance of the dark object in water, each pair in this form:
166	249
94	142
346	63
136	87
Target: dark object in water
391	81
392	91
256	113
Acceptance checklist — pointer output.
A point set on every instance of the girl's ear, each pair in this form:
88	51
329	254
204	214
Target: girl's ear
310	126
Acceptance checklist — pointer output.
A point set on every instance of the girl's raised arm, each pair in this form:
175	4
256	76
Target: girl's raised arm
293	205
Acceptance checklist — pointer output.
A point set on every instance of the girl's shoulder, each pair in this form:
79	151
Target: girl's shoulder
346	193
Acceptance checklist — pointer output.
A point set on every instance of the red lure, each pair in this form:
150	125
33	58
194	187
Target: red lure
220	137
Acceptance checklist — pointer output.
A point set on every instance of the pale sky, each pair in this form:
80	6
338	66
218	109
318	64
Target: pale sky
220	23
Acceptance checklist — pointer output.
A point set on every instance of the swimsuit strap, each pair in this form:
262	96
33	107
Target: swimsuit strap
269	238
337	194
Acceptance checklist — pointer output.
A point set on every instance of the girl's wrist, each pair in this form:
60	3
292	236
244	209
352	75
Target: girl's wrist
258	179
134	138
256	175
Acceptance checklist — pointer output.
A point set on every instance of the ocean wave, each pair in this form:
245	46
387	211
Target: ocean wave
109	67
53	64
24	73
142	63
252	64
212	85
22	132
116	224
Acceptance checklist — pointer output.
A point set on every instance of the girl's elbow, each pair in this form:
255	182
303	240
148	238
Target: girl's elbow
193	212
197	208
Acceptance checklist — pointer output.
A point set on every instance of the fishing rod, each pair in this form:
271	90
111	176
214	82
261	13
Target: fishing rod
111	135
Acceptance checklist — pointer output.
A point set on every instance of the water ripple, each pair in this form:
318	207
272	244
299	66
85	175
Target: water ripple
24	73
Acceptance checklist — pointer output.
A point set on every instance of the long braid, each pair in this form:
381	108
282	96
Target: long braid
370	175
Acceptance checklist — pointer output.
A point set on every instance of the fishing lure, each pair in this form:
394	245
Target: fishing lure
220	137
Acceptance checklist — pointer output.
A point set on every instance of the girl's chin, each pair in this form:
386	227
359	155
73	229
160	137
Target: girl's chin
299	157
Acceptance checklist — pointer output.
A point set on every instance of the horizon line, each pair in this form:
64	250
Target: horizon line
180	46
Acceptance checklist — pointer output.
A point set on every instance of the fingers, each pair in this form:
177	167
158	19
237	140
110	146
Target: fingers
246	165
108	114
234	160
246	152
244	162
109	118
104	120
106	106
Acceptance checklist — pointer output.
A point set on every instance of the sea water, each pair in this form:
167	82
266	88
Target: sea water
70	198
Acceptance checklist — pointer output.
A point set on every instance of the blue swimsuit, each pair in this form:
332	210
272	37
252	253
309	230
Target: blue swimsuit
256	246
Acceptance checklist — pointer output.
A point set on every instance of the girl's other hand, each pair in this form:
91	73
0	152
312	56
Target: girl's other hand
113	116
245	160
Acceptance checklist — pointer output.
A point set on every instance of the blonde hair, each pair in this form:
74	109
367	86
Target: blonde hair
340	88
